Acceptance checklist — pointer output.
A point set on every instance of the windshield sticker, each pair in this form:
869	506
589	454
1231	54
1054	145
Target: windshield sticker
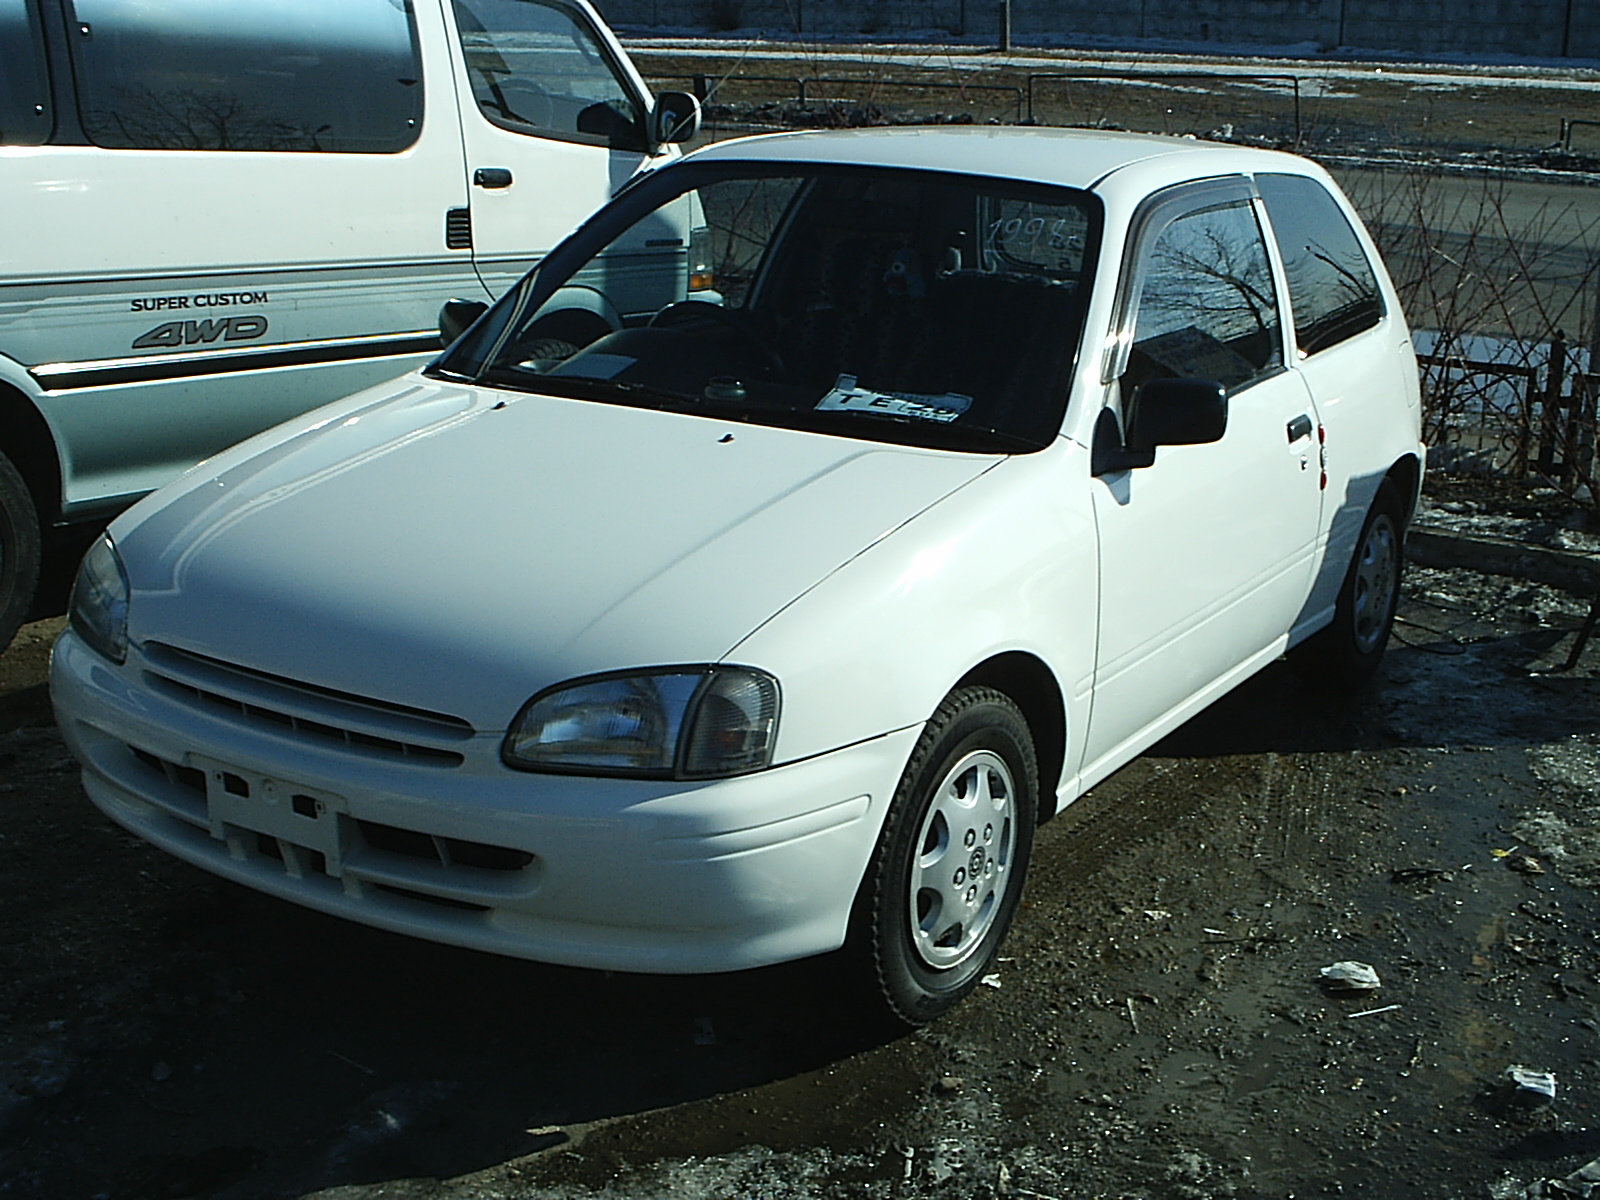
847	397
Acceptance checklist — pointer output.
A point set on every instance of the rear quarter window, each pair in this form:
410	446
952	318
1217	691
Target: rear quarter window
25	118
295	75
1333	290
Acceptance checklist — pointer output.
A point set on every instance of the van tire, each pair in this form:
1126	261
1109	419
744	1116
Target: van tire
19	551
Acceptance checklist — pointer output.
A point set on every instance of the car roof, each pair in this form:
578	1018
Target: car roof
1068	157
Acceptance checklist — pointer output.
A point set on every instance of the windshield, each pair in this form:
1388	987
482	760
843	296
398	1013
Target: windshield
928	308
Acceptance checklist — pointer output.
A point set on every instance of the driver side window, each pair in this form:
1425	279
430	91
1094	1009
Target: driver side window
537	68
1207	306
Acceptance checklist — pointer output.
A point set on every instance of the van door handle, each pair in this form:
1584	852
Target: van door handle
492	177
1299	428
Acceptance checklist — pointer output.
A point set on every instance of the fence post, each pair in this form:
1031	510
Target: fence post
1581	428
1523	451
1550	422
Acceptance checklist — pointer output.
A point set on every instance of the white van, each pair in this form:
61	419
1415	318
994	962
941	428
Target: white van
218	215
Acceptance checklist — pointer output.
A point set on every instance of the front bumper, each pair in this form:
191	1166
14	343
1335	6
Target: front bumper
356	813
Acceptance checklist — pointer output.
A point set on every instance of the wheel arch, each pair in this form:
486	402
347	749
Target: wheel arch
576	314
1406	475
1033	687
26	439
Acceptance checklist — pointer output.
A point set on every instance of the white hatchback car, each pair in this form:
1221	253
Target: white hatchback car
773	621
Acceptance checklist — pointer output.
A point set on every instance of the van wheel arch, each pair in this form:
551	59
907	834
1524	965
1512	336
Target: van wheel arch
26	440
20	551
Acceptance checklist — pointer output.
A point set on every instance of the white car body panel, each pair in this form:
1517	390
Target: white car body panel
790	508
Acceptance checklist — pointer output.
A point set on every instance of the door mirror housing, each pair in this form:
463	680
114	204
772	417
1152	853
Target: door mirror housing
455	316
1162	412
674	118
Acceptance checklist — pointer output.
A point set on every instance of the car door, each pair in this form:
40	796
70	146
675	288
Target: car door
1206	553
553	121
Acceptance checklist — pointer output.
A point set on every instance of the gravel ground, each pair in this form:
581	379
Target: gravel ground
1160	1028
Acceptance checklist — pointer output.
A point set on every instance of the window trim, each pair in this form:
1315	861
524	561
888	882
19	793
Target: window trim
1154	213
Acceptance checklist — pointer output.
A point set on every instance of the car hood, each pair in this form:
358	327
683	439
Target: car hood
458	549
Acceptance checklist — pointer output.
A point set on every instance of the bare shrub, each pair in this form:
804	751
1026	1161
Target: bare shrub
1500	283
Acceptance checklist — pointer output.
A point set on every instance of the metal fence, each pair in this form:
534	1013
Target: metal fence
1535	416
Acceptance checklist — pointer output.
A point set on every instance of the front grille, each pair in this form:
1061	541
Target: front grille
256	699
447	852
425	848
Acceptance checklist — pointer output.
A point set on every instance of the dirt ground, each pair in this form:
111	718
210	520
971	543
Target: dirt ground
1159	1028
1463	114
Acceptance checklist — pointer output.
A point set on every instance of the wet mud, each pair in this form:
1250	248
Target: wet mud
1160	1028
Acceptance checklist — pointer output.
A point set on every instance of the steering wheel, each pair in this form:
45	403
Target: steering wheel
703	312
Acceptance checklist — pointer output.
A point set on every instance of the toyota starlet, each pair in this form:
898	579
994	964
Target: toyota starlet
770	611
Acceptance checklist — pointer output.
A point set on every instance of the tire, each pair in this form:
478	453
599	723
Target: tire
1345	656
546	352
19	551
964	810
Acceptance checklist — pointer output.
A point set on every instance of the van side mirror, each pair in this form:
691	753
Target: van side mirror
675	117
456	315
1162	412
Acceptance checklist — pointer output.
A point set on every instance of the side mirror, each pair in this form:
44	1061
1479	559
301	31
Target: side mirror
675	117
456	315
1177	412
1162	412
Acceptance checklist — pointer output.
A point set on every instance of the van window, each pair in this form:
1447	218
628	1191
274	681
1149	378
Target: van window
220	75
25	117
538	68
1332	290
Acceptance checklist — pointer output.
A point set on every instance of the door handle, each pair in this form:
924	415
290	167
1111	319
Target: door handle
1299	428
492	177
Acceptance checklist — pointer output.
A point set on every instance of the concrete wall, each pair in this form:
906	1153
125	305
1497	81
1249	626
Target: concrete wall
1533	28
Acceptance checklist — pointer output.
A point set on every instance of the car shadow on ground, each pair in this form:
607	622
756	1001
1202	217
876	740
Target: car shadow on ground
1429	693
289	1051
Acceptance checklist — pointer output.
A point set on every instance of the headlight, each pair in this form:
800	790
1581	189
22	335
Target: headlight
99	605
673	723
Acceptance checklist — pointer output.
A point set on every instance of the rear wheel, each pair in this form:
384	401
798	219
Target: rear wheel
1347	653
19	551
945	880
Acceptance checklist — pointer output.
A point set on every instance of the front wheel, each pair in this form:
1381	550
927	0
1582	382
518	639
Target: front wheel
948	872
19	551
